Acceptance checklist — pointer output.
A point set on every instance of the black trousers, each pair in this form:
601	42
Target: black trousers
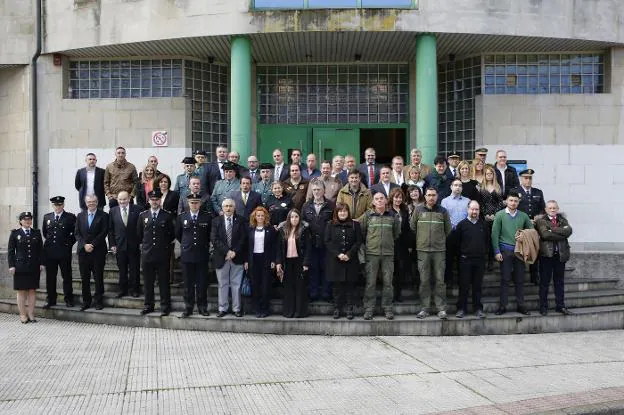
195	276
555	269
52	266
401	264
150	270
295	289
261	284
90	264
452	260
511	267
129	263
344	294
471	270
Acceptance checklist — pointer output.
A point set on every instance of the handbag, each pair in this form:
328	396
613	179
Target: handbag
245	288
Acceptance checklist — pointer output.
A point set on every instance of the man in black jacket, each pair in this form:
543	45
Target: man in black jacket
156	233
506	176
58	230
471	238
91	231
533	204
193	232
229	239
124	243
90	181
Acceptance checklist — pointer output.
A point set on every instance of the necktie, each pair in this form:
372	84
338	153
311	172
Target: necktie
554	222
194	218
90	219
56	219
371	175
124	216
228	231
245	199
277	173
253	175
27	232
154	214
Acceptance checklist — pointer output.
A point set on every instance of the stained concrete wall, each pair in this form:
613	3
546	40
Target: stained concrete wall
575	144
15	145
74	24
17	31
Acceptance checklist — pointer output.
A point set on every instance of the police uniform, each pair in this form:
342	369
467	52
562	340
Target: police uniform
532	203
58	231
155	230
26	255
193	233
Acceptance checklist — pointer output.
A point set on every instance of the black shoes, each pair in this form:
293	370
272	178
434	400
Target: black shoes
336	314
187	313
85	307
165	312
543	311
121	295
69	304
500	311
523	311
135	294
221	314
147	310
565	311
238	313
48	305
99	306
204	312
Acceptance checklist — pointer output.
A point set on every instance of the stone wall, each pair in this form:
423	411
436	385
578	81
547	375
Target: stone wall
15	145
17	41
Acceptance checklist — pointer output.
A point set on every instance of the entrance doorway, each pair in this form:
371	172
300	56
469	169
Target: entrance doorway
387	142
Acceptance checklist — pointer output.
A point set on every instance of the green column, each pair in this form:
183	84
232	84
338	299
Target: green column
240	95
427	96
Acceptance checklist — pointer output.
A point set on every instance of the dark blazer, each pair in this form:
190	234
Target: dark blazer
363	169
270	236
218	238
253	201
380	188
98	186
170	204
532	205
205	207
155	235
194	237
141	198
342	238
318	222
256	178
95	235
125	238
211	174
59	236
554	236
343	176
511	179
284	174
303	244
25	253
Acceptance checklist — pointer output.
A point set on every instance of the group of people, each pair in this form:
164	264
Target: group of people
318	230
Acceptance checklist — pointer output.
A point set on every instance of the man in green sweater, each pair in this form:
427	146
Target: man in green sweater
506	223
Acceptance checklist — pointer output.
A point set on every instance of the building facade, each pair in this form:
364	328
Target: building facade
543	80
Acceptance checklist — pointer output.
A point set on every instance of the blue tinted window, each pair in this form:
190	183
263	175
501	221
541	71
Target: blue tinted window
331	4
387	3
279	4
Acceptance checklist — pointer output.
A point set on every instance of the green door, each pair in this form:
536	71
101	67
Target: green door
328	142
284	137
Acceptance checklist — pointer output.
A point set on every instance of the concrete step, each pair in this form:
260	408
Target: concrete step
490	304
490	288
589	318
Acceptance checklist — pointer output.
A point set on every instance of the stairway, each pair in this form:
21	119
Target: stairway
598	304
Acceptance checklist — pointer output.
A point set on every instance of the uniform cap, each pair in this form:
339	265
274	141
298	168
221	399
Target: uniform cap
193	196
155	194
188	160
454	155
527	172
266	166
57	200
228	165
200	153
481	150
25	215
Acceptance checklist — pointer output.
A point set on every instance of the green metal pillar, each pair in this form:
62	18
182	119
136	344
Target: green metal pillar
240	95
427	96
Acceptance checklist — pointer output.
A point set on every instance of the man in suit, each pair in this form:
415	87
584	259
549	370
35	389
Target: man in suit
91	231
385	185
506	176
253	172
246	199
156	233
213	172
369	170
229	237
193	232
533	204
90	181
58	230
396	176
349	164
182	181
280	170
124	243
223	187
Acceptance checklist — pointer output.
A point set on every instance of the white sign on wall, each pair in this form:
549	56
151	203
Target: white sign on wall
160	139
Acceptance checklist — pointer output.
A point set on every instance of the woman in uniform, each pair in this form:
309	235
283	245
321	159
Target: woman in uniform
26	262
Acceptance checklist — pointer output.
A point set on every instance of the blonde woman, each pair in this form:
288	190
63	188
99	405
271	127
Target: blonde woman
492	201
144	186
470	187
476	170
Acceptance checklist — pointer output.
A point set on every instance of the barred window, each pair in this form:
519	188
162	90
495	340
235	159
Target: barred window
327	94
125	79
580	73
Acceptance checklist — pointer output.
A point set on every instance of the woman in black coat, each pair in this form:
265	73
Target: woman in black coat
261	260
343	238
402	263
26	261
292	263
278	204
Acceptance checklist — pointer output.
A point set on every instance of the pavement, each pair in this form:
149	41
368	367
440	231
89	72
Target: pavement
66	367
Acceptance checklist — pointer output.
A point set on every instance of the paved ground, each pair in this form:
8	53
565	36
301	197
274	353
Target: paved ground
64	367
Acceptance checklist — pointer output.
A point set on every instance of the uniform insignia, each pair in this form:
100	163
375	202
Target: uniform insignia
283	205
48	221
146	220
300	187
185	222
19	237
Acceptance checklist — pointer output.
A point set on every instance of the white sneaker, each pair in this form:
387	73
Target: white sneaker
442	315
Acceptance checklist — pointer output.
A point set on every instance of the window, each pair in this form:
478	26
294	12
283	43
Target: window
581	73
334	4
330	94
125	79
